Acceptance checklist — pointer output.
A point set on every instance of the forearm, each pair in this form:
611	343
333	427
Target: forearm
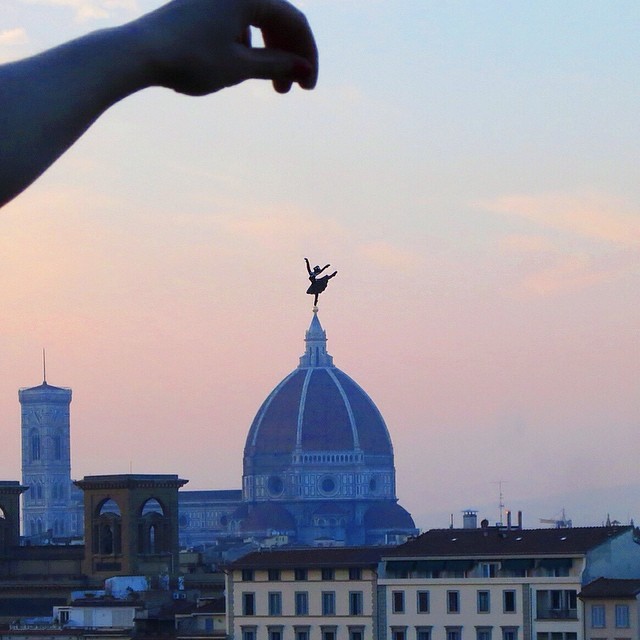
48	101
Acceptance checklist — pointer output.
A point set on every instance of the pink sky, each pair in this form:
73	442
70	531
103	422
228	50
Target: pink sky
481	205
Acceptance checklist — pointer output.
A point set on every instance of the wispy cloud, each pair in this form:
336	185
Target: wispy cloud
90	9
590	215
389	256
554	259
567	273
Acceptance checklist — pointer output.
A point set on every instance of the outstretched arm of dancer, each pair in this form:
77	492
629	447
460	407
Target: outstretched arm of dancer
306	260
195	47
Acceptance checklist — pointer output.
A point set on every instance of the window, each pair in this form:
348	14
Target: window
248	604
622	616
57	448
509	601
356	633
302	603
483	633
301	633
35	446
247	575
454	633
398	633
327	573
328	633
328	603
423	633
557	604
299	574
397	601
248	633
489	569
274	633
355	573
453	602
275	603
423	602
273	575
64	615
509	633
208	625
598	620
484	601
355	603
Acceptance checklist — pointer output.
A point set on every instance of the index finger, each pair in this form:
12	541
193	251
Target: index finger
286	28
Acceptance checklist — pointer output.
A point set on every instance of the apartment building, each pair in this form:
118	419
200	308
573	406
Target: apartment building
304	594
498	583
612	609
486	583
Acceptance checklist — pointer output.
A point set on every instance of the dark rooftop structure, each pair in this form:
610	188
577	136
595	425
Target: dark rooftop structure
499	541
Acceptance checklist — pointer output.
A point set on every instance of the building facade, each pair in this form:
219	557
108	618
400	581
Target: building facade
490	583
612	609
304	594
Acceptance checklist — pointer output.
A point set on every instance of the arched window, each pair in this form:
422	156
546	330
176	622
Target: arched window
57	447
108	529
35	446
153	528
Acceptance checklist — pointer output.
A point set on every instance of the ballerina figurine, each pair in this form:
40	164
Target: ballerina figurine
318	284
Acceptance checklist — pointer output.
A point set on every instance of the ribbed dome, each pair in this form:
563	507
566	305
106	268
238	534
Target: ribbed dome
317	408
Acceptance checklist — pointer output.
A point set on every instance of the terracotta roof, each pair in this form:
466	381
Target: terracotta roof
611	588
505	542
310	557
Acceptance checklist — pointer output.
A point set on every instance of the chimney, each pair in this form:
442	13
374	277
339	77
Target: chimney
519	519
469	519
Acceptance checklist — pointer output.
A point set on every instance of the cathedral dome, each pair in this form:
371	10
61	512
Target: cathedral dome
315	426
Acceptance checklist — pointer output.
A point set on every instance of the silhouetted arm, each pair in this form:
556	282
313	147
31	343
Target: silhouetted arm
195	47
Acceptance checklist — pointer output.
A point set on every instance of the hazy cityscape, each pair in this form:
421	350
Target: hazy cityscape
468	170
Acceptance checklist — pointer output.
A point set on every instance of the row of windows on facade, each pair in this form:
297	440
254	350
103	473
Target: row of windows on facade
36	526
467	569
36	448
301	603
352	632
302	574
599	618
550	603
301	632
37	491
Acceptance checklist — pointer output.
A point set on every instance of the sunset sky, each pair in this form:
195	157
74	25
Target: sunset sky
471	169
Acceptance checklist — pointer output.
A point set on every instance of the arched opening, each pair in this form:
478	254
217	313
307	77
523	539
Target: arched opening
107	533
154	528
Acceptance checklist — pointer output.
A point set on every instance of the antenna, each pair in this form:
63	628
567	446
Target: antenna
501	499
44	366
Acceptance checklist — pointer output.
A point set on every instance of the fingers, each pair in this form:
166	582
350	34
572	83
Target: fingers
286	29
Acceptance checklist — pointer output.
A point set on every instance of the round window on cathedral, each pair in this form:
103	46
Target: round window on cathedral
328	485
276	486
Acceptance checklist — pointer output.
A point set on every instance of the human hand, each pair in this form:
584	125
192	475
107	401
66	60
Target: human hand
197	47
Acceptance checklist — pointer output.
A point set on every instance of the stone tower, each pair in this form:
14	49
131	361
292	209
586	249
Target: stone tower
131	524
49	505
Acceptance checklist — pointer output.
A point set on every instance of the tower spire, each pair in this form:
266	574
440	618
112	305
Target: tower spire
44	366
315	346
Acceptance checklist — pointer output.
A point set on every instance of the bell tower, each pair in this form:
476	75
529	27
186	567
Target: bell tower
46	462
131	524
